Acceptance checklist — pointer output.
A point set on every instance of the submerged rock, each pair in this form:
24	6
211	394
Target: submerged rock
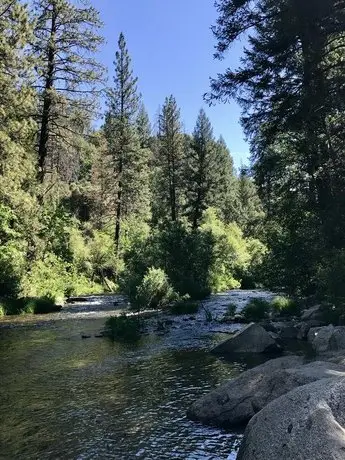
307	423
238	400
252	339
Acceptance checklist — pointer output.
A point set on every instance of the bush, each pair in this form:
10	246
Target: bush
154	291
184	307
123	328
256	310
28	305
231	309
285	306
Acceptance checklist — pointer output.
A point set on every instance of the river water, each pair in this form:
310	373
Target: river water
65	397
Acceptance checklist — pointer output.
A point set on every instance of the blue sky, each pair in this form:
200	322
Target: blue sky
172	47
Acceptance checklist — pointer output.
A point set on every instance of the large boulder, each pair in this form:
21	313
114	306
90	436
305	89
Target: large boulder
252	339
327	338
239	399
305	326
315	312
308	423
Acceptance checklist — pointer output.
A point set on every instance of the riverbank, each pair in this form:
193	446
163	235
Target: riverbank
293	406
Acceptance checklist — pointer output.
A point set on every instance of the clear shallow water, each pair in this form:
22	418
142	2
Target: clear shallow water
62	397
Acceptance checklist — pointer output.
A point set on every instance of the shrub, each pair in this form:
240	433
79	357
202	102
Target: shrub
231	309
184	307
285	306
256	309
123	328
208	315
2	310
154	291
28	305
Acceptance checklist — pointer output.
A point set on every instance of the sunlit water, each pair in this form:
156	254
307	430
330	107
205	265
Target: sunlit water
64	397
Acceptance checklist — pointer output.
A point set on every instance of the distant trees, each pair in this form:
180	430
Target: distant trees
86	209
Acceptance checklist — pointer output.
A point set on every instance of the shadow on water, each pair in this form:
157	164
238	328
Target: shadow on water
68	398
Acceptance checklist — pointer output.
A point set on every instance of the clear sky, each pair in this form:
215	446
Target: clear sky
172	47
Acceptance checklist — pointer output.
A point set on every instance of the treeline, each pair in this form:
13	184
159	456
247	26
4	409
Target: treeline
291	85
157	214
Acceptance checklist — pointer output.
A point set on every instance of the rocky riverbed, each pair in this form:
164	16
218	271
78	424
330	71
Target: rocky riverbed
294	404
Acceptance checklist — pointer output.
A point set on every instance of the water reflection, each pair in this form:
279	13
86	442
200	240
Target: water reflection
67	398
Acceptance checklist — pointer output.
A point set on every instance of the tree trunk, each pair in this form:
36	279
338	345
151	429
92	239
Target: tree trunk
47	102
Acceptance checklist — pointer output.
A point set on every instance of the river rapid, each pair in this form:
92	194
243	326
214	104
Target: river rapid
63	396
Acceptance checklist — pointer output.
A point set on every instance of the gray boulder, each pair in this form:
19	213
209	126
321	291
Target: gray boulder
327	338
305	326
239	399
312	313
252	339
308	423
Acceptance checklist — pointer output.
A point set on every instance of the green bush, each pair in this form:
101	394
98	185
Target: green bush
28	305
256	309
231	309
208	315
154	291
123	328
285	306
184	307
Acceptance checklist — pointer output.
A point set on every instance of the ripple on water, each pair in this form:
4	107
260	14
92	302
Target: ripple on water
63	397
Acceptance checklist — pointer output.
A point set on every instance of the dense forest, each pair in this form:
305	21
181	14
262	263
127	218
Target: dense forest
161	213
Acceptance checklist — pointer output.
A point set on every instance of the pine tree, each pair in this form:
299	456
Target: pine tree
198	171
144	127
65	39
17	104
224	187
169	162
209	177
291	86
129	159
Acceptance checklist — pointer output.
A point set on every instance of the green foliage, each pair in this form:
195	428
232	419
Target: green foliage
229	252
285	306
231	309
184	307
154	291
208	315
53	278
28	305
123	328
256	309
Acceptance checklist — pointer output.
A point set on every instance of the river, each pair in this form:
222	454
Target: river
65	397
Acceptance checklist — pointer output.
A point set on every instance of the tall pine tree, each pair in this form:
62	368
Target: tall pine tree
129	158
169	162
66	37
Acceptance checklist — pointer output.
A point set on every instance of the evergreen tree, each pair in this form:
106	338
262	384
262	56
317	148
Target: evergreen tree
198	172
291	85
144	127
129	159
169	162
224	186
65	39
